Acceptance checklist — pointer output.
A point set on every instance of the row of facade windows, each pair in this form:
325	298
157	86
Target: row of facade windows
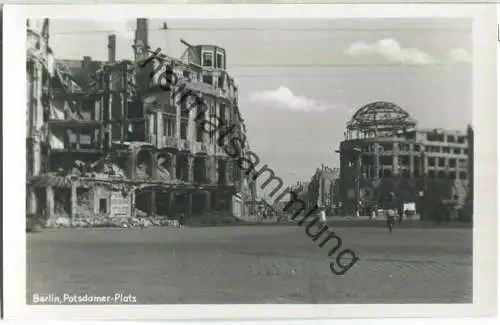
433	174
208	60
435	137
417	148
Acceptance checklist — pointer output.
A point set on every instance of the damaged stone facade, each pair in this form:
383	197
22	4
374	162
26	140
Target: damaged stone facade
107	145
394	154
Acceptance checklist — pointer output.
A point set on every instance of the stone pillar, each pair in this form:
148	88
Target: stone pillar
132	160
376	155
395	157
191	131
31	200
49	194
208	169
226	172
152	202
159	129
132	203
412	161
207	202
426	163
189	195
177	104
171	203
190	168
73	200
154	165
214	169
173	164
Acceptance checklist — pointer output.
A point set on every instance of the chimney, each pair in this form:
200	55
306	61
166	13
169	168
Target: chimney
141	37
111	48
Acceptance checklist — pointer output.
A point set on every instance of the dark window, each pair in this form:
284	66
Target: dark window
220	63
461	139
446	150
169	126
135	110
387	147
416	147
453	175
185	108
452	163
441	162
411	135
103	206
208	79
184	125
207	59
450	138
463	175
432	161
466	151
200	128
456	151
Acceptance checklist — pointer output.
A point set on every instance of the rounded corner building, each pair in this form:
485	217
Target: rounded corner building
384	150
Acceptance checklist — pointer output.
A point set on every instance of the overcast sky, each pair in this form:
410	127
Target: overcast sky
300	81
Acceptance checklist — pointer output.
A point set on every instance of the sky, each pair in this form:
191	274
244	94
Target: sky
300	81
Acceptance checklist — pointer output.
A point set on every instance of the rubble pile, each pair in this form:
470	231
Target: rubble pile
90	220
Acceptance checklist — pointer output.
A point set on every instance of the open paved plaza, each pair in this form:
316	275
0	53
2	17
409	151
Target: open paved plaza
259	264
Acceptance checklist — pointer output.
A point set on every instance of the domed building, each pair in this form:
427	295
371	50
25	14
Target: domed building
384	149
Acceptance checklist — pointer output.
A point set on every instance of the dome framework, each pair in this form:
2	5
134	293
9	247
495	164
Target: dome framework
379	119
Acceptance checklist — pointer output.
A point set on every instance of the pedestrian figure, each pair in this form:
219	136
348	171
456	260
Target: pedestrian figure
388	202
181	220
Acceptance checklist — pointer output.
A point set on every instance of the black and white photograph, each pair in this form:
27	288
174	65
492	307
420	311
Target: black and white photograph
291	161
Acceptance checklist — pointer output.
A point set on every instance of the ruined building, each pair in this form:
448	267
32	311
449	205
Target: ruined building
384	149
105	140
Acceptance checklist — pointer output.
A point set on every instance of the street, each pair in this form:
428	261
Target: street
260	264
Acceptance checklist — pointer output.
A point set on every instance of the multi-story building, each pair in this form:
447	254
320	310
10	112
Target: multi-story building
323	188
105	138
383	145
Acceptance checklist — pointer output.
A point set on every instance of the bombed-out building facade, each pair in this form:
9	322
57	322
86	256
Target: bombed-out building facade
384	150
110	139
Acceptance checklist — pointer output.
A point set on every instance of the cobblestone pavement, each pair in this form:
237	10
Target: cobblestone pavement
252	265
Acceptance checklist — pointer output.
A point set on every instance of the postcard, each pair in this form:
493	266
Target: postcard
249	162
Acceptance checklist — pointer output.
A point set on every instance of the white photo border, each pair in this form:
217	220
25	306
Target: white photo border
484	122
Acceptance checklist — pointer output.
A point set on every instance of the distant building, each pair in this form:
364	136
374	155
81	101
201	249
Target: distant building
383	146
324	188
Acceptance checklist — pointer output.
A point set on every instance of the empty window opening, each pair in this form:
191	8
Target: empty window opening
103	206
220	61
207	59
